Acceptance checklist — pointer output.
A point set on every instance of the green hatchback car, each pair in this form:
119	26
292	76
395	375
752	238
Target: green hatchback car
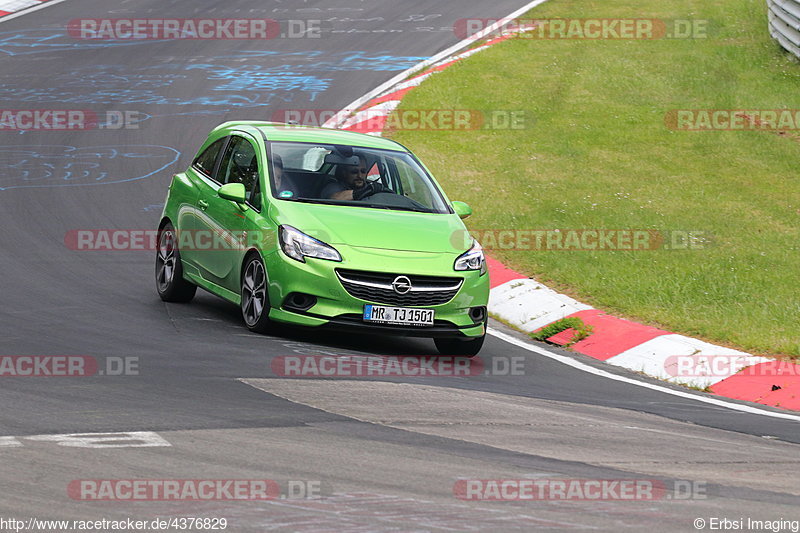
323	228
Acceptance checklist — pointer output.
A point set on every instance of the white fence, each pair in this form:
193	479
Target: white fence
784	23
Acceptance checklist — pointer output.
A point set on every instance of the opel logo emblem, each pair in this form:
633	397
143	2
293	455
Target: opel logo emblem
401	284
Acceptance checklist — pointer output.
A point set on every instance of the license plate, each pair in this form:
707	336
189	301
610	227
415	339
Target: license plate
403	316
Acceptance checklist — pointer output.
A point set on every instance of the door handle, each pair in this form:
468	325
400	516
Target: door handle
203	204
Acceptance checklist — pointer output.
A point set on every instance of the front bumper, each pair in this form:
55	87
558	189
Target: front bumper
336	308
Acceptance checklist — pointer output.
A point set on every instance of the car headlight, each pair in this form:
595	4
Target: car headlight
298	246
472	259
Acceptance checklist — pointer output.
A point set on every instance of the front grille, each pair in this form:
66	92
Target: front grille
377	287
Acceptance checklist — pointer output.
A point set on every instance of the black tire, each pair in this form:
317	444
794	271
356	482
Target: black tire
460	347
255	296
169	270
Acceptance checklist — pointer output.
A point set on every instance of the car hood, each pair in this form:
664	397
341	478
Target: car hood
375	228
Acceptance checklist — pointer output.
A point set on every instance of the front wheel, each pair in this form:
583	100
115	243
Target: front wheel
255	300
169	269
459	347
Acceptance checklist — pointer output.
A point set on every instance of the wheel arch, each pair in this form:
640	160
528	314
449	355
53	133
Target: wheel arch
253	252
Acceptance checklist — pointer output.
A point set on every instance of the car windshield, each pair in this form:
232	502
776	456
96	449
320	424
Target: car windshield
348	175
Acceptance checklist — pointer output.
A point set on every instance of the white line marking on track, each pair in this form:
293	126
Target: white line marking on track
133	439
31	10
9	442
602	373
12	6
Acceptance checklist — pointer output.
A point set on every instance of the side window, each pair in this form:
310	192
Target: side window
205	161
240	165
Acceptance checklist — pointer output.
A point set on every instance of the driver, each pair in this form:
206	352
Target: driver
351	183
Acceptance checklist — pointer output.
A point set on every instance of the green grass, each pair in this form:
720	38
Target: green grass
581	330
600	156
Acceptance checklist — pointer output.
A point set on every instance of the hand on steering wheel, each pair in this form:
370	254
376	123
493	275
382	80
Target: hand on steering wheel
373	187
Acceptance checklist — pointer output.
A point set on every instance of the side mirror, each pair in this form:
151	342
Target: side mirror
462	209
235	192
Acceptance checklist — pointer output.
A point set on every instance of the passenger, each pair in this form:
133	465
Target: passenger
285	187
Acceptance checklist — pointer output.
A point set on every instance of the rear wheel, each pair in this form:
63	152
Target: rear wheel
169	270
255	300
460	347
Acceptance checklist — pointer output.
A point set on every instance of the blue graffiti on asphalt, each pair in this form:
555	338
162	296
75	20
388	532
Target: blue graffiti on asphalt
26	42
346	61
232	86
96	86
127	96
102	76
255	78
70	166
34	41
198	113
357	61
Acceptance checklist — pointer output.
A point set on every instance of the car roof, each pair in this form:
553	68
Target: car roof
278	131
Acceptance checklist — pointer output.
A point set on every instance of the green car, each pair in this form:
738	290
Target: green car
323	228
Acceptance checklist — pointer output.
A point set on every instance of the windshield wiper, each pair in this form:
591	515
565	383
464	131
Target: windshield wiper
322	201
398	208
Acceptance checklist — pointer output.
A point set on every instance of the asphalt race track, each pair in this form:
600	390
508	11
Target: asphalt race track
385	454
